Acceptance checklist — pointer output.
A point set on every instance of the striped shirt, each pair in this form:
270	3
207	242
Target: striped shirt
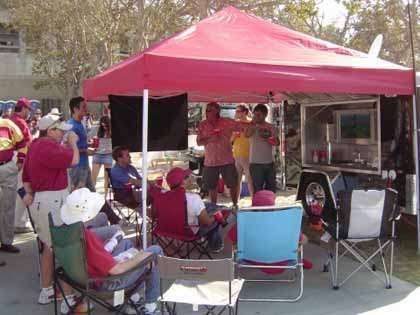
27	136
11	139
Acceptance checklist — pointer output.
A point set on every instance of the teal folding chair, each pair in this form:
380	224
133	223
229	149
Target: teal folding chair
268	239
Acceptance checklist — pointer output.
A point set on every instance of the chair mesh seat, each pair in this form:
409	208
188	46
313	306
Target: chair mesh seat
203	293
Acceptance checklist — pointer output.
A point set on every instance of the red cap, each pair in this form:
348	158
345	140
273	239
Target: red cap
23	102
176	175
264	198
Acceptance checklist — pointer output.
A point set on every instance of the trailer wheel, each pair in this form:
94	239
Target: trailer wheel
314	187
315	192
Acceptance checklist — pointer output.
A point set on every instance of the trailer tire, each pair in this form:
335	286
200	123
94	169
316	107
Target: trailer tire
315	187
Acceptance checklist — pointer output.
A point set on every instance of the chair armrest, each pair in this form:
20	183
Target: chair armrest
148	259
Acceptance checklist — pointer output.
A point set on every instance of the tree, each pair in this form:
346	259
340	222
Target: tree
72	39
387	17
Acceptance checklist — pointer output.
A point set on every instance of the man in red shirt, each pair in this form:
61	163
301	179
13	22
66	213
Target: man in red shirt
11	140
83	205
22	111
45	181
215	134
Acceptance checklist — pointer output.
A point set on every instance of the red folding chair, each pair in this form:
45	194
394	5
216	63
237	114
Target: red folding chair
171	230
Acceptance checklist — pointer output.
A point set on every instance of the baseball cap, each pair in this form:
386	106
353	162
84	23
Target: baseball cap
176	175
49	121
23	102
81	205
214	105
264	198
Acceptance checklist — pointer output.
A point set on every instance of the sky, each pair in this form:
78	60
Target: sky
333	12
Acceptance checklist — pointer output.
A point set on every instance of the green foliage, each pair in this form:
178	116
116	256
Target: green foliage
390	18
74	39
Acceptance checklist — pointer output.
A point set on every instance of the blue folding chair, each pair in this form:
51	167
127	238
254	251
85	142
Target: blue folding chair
268	238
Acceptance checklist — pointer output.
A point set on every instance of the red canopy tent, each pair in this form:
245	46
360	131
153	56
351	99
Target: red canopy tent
235	56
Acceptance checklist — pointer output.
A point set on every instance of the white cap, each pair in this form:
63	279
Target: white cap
49	121
55	111
81	205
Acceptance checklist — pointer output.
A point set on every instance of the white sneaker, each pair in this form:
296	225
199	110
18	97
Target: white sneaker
81	308
46	296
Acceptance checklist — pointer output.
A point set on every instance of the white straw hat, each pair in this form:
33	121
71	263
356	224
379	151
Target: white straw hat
81	205
49	121
55	111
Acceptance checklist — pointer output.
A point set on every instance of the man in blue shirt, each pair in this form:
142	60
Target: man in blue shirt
80	175
124	176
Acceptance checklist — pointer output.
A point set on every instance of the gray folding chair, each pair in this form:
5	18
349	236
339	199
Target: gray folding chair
210	283
363	216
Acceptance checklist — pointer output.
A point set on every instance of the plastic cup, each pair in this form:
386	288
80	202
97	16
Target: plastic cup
159	181
272	141
218	216
95	142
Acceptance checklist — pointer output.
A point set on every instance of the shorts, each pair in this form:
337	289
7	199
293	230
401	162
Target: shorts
105	159
46	202
211	176
80	176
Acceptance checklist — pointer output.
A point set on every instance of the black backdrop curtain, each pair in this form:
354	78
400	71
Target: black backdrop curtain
168	122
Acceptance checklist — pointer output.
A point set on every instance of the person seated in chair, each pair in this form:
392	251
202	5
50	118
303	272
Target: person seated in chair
124	176
104	260
201	221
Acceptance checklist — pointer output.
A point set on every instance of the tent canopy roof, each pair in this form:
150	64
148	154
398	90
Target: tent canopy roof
233	56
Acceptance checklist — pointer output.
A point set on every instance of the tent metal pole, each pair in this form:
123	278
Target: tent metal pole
145	165
416	163
416	113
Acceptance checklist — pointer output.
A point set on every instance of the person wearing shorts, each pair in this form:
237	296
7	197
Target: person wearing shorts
45	181
263	137
80	175
103	151
215	134
240	144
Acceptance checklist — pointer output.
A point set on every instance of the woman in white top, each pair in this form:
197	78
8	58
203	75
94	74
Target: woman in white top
103	151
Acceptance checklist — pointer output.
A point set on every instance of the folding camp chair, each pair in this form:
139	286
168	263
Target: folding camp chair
363	216
68	244
268	239
200	282
127	208
172	231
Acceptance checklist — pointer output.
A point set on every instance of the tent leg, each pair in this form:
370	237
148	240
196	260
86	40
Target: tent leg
145	164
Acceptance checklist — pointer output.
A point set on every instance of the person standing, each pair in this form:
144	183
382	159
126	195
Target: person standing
11	140
241	150
103	151
263	137
33	125
21	113
215	134
45	181
80	175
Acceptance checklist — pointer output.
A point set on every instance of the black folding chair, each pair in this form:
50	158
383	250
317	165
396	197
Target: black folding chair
363	216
